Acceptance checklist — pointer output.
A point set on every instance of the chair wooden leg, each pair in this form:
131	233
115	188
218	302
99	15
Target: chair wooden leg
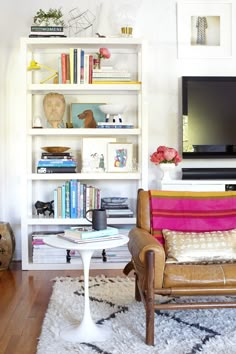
128	268
150	298
137	293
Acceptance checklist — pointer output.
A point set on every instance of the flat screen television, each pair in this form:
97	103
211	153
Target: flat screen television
209	116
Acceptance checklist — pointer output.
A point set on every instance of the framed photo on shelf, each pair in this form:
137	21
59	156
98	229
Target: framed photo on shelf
94	154
86	115
204	29
120	157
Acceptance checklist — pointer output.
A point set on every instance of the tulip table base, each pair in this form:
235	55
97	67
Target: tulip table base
86	330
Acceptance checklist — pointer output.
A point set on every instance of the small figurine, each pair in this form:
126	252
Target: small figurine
88	118
42	207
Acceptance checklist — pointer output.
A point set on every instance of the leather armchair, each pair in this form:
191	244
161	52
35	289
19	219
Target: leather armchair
154	276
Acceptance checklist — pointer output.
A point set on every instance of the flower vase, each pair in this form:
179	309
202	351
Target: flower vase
166	168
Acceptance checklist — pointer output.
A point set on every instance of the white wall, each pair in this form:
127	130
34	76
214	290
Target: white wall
155	21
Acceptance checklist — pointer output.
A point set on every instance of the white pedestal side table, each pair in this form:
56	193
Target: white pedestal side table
87	330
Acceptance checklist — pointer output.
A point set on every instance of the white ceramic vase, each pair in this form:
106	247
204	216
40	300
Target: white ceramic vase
166	168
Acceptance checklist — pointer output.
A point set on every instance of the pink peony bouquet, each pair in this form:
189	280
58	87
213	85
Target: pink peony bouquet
165	154
104	53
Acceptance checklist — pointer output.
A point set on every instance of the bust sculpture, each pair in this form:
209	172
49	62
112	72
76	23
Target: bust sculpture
54	105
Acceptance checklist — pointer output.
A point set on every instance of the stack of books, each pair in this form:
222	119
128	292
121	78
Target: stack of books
42	253
110	75
46	31
87	234
117	207
56	162
75	258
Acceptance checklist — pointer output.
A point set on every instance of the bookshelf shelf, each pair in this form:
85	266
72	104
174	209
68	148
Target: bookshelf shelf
37	88
85	176
127	53
51	221
84	132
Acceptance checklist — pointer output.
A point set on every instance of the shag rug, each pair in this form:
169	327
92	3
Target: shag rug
112	303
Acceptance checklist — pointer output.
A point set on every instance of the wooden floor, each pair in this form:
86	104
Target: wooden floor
24	297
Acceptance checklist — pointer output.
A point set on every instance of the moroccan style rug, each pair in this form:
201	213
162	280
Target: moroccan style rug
112	303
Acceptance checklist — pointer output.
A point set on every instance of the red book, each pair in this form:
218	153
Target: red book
90	78
67	68
63	67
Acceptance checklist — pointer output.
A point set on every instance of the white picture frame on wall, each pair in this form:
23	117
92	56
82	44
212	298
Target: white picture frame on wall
204	29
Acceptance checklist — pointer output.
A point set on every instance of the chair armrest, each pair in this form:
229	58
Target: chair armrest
141	241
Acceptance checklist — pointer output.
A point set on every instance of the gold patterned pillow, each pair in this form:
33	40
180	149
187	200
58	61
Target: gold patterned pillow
200	247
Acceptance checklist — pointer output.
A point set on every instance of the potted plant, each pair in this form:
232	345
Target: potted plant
53	17
167	158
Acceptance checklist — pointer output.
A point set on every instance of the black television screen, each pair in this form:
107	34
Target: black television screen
209	116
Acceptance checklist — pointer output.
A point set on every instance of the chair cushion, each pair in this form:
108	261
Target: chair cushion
199	275
200	247
191	211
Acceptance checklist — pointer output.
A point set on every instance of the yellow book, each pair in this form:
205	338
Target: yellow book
72	65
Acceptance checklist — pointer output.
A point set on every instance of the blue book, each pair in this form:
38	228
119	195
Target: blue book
81	200
78	199
82	66
56	163
73	199
75	66
87	232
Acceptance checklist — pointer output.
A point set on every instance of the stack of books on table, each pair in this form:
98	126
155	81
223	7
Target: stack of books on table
42	253
119	254
37	31
87	234
55	162
117	207
110	75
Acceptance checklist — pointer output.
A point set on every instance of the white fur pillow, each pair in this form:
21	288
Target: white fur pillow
200	247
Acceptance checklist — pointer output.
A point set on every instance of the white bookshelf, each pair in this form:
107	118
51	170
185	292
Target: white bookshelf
129	53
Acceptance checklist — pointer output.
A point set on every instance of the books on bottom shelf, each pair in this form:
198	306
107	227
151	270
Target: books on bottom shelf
42	253
119	254
74	257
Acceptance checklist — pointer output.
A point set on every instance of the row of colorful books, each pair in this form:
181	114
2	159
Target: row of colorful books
78	67
73	199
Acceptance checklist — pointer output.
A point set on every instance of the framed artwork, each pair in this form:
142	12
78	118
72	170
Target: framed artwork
120	157
94	154
86	115
204	29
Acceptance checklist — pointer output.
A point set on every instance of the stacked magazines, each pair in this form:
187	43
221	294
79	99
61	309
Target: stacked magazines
117	207
87	234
